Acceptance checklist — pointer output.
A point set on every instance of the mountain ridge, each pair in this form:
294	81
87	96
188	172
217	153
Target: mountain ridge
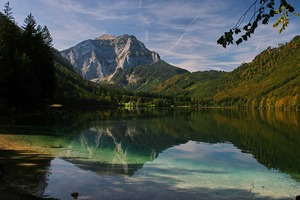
270	80
106	37
145	78
102	57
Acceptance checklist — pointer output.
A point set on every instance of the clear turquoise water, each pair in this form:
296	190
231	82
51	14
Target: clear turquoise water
193	170
208	154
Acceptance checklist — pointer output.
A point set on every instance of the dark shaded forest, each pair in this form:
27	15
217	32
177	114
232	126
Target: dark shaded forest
26	64
34	76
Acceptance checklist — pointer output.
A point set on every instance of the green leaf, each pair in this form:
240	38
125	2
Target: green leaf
222	41
265	21
258	17
237	31
244	37
254	26
291	9
239	41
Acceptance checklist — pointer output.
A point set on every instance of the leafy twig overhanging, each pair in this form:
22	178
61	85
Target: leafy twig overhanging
262	13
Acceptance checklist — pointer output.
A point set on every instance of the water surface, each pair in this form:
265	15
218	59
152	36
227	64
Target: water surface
167	154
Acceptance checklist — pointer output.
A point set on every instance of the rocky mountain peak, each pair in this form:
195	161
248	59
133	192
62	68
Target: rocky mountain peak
106	37
102	57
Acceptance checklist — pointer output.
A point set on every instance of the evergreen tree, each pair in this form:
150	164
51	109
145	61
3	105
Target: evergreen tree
47	37
26	64
8	12
10	38
37	45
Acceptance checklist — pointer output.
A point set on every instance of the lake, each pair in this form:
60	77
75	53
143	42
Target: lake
160	153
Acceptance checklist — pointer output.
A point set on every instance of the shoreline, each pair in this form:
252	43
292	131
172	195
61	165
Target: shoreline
7	143
21	176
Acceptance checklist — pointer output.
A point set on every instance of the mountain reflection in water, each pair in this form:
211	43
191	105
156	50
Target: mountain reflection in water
149	146
119	147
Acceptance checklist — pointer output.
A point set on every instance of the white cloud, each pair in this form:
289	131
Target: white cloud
183	32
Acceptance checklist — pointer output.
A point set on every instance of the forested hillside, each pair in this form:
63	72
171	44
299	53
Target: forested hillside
72	90
33	75
197	85
26	65
145	78
271	80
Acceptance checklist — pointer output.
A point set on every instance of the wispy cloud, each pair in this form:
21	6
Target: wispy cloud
186	31
181	37
183	32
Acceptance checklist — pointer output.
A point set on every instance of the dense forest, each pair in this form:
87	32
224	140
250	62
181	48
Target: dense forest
270	81
34	75
26	71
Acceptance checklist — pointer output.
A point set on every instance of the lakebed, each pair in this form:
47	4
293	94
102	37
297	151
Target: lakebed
19	165
208	154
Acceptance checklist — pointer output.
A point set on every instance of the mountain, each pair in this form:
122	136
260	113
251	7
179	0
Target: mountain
271	80
145	78
197	85
73	90
102	57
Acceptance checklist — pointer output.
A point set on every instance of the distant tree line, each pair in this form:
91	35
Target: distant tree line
27	79
33	75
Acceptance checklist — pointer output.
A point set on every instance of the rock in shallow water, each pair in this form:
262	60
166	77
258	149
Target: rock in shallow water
74	195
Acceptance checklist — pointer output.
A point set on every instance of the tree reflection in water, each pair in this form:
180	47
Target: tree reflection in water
119	142
271	136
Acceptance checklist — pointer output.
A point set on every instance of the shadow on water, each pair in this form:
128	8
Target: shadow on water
118	187
23	174
120	142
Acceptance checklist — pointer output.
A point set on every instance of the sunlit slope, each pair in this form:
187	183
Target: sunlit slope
271	80
197	85
145	78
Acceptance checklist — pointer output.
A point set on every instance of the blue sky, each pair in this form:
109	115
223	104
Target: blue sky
183	32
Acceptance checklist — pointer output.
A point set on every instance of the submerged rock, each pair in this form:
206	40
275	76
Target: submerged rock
54	146
74	195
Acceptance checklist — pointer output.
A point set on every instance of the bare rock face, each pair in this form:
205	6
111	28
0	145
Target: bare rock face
102	57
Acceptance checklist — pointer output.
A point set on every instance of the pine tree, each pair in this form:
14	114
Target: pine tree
27	79
47	37
37	45
8	12
10	38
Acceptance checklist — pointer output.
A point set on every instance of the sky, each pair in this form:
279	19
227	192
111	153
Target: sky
183	32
